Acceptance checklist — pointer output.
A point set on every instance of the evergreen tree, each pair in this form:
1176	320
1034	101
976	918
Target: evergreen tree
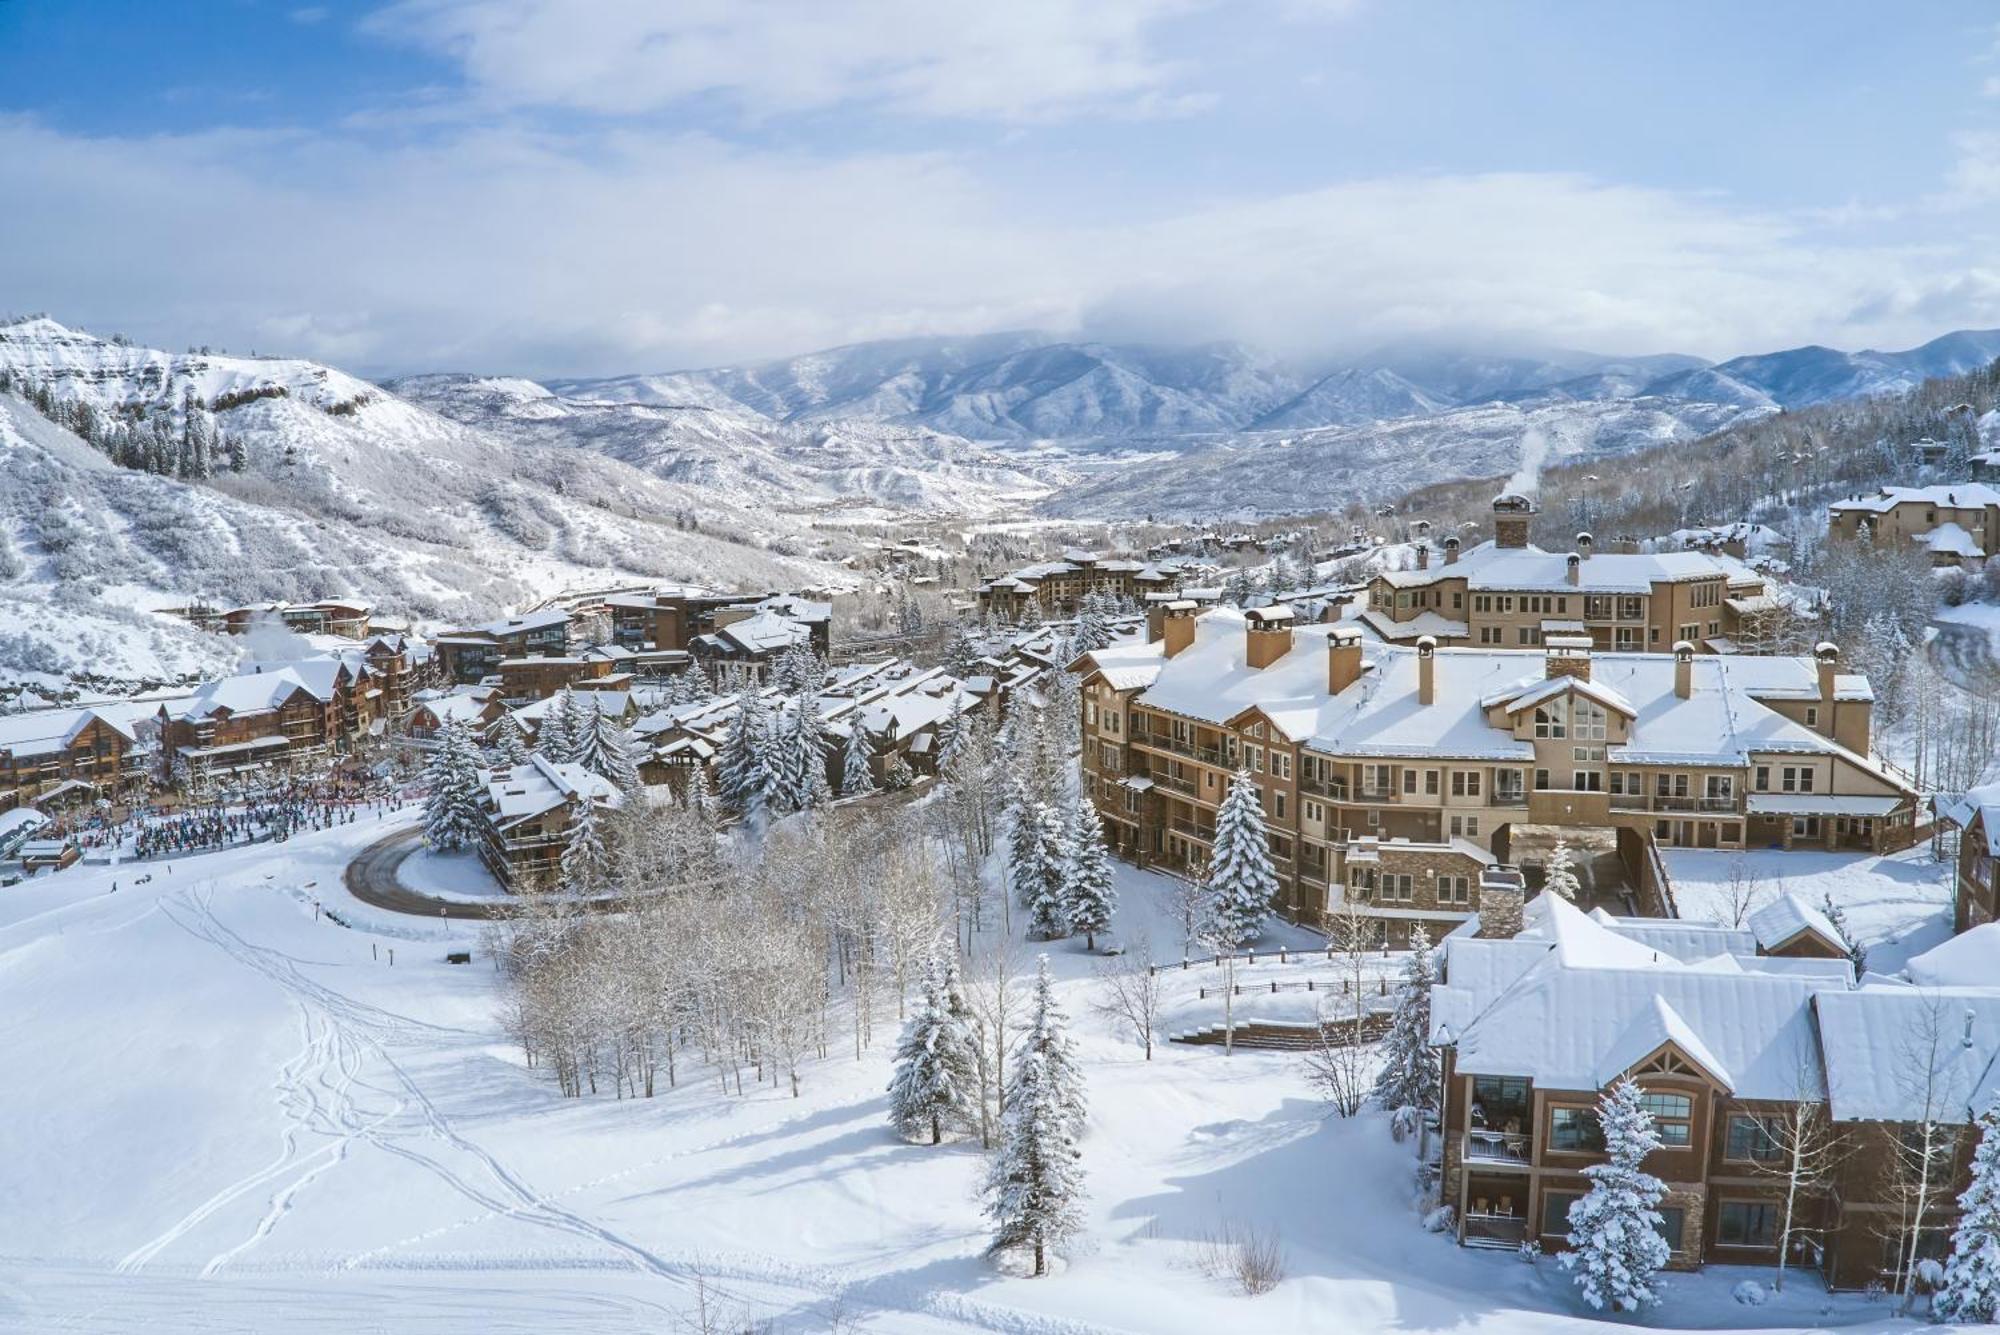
741	775
1042	874
783	776
961	656
1034	1188
552	736
855	777
1857	953
510	744
1561	879
1971	1291
1411	1070
935	1087
1088	893
1093	629
700	796
1242	886
603	747
586	866
697	683
950	738
1614	1230
452	815
808	747
238	452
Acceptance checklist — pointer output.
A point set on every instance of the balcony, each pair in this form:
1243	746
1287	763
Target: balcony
1205	833
1508	799
1506	1148
1495	1230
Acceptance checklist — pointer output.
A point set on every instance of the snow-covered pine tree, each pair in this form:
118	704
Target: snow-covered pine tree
896	773
1242	885
604	747
950	737
1093	629
586	865
961	656
452	815
855	777
1561	878
699	685
1971	1291
808	764
699	795
553	737
935	1087
741	776
783	776
1034	1188
1411	1070
1614	1230
510	744
1088	893
1048	918
1856	952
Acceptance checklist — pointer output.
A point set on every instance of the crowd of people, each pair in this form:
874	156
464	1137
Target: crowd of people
274	814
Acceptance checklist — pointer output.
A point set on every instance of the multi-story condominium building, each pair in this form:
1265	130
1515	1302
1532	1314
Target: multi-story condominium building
1727	1039
1055	588
281	714
1976	900
675	616
1958	523
529	811
48	747
475	652
1508	593
1396	774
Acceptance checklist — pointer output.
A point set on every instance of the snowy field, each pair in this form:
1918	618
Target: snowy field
226	1114
1898	904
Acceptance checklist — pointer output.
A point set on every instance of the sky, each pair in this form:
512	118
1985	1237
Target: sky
570	189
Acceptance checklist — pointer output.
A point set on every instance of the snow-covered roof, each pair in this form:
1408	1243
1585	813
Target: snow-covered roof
1423	623
1950	495
252	693
1970	959
1820	804
1492	568
763	633
1886	1045
1951	540
1683	939
524	791
46	730
1788	915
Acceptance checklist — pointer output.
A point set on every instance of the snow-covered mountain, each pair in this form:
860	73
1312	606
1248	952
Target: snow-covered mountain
1799	377
1269	472
346	489
731	453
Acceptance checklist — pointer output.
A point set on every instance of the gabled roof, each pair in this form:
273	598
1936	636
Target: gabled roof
1653	1028
1950	495
1788	916
1550	687
1490	568
45	730
1897	1054
533	789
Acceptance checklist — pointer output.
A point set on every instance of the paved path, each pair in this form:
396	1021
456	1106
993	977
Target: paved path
1964	654
371	878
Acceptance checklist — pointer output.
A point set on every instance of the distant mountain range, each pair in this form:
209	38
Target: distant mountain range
1025	386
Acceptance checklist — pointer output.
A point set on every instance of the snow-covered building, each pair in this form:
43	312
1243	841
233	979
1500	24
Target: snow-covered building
1958	523
472	653
529	810
1976	897
278	715
1387	772
1508	593
1726	1043
1055	588
46	747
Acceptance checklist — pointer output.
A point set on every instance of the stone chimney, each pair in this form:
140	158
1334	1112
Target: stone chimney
1683	669
1584	542
1267	635
1513	515
1575	563
1625	544
1423	556
1177	625
1501	895
1451	551
1156	623
1827	655
1567	656
1343	658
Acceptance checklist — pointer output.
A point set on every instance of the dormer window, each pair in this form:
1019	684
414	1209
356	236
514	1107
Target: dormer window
1552	719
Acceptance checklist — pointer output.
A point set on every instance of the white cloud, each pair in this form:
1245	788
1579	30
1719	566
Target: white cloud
1024	60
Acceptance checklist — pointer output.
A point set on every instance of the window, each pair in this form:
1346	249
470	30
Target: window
1633	608
1430	783
1409	781
1465	825
1812	716
1672	1117
1752	1139
1763	781
1465	783
1551	720
1673	1219
1507	785
1278	806
1587	780
1541	780
1256	757
1454	890
1531	634
1720	788
1555	1211
1796	779
1745	1224
1588	718
1281	764
1314	811
1400	887
1575	1131
1499	1102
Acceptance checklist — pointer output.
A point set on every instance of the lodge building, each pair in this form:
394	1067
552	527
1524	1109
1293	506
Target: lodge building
530	812
46	748
1056	588
1726	1040
1957	523
1397	775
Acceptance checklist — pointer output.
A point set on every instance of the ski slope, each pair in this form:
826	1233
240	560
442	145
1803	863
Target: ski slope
227	1113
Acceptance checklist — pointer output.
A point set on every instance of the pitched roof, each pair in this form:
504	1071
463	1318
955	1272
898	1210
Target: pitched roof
1786	916
1951	495
1896	1054
1488	567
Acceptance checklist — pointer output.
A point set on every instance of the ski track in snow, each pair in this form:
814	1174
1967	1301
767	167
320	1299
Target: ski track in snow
320	1088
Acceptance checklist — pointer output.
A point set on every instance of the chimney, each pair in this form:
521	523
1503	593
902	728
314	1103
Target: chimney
1626	544
1683	669
1567	656
1156	623
1501	893
1575	569
1451	551
1267	635
1427	652
1423	556
1513	514
1177	625
1827	655
1343	659
1584	542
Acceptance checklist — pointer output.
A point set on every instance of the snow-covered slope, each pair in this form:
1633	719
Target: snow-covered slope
1289	472
347	490
1801	376
732	454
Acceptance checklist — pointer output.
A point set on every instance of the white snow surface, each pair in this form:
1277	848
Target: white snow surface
226	1115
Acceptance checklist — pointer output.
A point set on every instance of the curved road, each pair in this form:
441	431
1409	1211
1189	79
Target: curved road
371	878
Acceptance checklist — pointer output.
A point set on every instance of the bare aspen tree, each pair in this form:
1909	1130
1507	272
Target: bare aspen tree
1130	991
1802	1147
1931	1081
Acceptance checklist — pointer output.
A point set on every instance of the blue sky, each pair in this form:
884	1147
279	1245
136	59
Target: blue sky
532	187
